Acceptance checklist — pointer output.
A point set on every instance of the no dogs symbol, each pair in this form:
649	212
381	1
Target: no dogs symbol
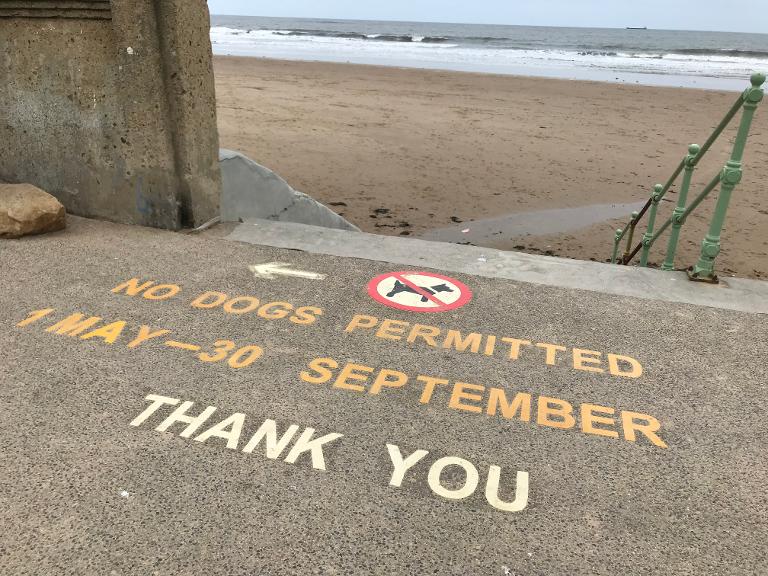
419	291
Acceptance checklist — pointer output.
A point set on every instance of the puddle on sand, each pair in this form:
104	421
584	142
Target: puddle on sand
491	231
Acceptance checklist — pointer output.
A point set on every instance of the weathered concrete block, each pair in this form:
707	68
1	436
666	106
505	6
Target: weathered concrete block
110	107
25	209
250	190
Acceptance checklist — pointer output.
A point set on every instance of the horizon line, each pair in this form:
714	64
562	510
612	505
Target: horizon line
639	29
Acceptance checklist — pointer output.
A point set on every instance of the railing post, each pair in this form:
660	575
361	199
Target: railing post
616	240
682	199
704	270
658	191
630	235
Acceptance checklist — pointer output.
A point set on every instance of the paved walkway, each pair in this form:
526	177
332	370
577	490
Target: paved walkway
166	411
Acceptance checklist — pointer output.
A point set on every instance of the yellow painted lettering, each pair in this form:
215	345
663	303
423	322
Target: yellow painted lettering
426	333
356	372
552	350
587	360
275	310
245	356
521	404
388	379
221	349
305	315
514	346
323	368
391	330
109	333
460	393
146	333
162	292
633	422
361	321
562	410
34	317
132	287
635	369
74	325
209	300
241	305
589	419
490	345
429	387
454	340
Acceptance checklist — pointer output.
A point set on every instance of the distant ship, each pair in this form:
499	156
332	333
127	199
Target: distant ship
637	27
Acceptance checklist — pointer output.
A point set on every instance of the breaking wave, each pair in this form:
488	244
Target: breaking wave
503	43
608	54
360	36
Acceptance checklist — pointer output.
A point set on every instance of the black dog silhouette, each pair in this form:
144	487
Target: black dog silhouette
400	287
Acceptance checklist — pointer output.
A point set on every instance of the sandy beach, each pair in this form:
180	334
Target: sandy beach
408	152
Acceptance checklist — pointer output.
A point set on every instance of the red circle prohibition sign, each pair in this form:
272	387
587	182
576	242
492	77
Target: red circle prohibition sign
419	291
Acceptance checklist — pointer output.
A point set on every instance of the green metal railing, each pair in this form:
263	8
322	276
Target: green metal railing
728	178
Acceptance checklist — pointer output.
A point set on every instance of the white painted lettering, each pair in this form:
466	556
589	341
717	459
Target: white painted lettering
157	401
229	429
470	483
400	465
268	432
179	415
492	491
315	447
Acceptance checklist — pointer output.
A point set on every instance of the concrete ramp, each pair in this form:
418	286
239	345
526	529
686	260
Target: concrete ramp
181	405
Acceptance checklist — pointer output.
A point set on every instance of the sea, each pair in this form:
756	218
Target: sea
683	58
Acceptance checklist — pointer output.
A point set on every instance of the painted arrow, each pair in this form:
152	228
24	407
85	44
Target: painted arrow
271	270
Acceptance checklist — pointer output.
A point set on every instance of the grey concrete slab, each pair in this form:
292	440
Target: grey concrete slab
84	491
731	294
249	190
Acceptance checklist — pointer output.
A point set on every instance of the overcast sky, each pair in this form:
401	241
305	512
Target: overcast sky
737	16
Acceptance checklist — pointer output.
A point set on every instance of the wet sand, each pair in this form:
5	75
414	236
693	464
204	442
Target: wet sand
409	152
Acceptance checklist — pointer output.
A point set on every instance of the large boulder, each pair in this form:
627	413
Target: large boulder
25	209
249	190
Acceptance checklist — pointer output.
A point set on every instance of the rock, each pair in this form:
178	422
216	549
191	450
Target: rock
250	190
25	209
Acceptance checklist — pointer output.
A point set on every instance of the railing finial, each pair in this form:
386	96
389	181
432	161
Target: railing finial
754	94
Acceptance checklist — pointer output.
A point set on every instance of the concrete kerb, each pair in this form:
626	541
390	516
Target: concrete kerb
739	294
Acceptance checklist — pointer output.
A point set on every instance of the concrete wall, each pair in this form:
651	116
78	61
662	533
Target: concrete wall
110	106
